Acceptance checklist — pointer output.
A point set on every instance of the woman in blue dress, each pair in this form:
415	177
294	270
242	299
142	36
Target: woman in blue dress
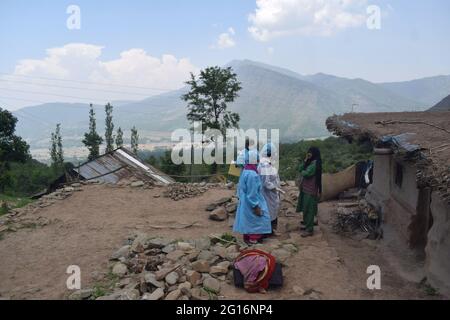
252	216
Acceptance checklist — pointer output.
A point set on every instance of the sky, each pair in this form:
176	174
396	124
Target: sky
98	50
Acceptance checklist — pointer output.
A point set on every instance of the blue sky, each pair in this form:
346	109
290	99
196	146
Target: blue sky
413	40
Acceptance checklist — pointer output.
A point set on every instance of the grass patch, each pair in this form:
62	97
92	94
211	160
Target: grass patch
224	239
105	286
428	289
9	202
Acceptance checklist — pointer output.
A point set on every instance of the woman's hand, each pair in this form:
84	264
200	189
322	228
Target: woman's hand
257	211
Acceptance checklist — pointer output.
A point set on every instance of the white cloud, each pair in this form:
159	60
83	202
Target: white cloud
270	51
278	18
83	63
225	40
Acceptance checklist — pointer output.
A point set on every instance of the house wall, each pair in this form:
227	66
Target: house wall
438	246
400	205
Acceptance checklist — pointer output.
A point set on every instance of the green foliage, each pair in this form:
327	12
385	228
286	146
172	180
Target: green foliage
208	98
167	166
9	202
56	148
226	238
119	138
30	177
12	147
109	129
92	139
134	140
337	154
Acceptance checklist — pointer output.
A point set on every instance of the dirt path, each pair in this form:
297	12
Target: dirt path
95	222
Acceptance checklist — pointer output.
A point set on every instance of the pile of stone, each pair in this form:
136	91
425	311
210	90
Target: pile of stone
178	191
223	209
162	269
135	182
23	218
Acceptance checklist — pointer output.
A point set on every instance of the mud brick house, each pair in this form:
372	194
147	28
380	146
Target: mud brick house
411	179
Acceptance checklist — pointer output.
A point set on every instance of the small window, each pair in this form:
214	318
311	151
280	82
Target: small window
398	175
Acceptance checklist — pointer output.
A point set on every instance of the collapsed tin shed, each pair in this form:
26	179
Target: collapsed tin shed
117	165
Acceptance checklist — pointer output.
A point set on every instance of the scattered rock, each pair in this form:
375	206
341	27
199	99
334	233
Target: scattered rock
221	251
130	294
219	214
231	207
223	201
82	294
155	295
220	269
120	269
122	252
172	278
169	248
201	266
150	278
174	295
139	243
157	243
137	184
281	255
199	294
185	246
175	255
194	277
205	255
203	243
211	284
185	285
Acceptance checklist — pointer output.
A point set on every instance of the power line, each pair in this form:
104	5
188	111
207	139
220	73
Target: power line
86	82
46	94
76	88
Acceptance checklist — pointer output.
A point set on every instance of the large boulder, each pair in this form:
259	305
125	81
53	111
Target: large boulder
219	214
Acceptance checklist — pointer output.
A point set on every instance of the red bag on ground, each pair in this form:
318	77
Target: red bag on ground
257	268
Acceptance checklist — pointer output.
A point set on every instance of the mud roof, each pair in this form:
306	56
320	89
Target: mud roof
421	137
117	165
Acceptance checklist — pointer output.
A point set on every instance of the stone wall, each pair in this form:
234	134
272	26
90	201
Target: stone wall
438	247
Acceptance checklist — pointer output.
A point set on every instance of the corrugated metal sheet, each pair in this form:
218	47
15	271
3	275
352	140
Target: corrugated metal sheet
119	164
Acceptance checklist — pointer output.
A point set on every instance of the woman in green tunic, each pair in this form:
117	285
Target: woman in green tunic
310	189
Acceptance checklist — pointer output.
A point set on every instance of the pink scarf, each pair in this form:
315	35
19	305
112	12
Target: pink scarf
253	167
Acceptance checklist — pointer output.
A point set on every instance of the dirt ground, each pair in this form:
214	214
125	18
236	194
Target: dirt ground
90	225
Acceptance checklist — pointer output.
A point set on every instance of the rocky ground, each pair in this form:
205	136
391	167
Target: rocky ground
132	241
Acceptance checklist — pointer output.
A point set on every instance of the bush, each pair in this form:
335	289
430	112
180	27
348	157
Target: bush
26	179
337	154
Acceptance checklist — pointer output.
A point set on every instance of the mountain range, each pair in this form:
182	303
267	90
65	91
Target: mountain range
271	97
443	105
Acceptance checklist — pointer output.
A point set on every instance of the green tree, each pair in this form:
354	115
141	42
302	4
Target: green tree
12	147
56	148
208	100
168	167
92	140
134	140
109	129
119	138
209	97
